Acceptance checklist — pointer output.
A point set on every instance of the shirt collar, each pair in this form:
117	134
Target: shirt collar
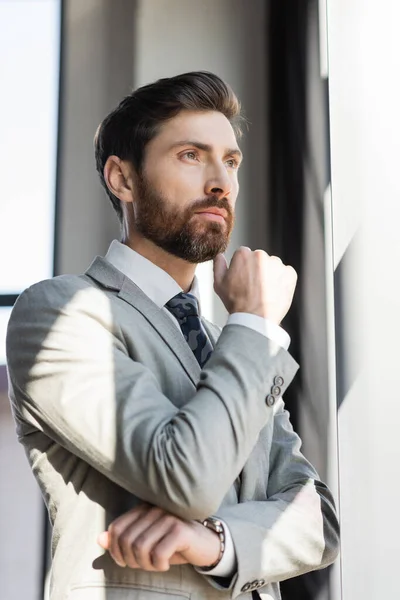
156	283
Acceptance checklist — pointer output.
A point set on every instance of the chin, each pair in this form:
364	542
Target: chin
205	252
196	245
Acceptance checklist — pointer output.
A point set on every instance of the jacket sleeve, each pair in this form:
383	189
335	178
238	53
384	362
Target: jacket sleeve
295	530
71	378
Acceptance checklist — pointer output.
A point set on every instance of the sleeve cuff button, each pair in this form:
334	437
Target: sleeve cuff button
254	585
270	400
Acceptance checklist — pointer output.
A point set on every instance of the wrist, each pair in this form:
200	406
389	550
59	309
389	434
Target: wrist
215	526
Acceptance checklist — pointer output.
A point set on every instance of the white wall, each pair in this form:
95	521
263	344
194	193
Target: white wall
364	62
97	68
228	38
29	65
98	59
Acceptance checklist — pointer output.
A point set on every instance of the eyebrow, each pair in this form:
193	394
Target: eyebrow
207	147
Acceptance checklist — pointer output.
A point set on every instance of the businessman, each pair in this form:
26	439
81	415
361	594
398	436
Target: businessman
160	442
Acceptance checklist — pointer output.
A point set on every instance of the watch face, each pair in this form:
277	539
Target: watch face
214	524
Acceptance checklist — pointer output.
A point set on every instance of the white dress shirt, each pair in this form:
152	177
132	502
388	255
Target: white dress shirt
160	287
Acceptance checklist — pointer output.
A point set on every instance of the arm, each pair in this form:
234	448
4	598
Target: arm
296	530
147	538
70	377
226	568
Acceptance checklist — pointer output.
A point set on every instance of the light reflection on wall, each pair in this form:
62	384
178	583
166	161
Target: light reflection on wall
29	72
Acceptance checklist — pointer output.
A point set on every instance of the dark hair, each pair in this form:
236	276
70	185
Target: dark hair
137	119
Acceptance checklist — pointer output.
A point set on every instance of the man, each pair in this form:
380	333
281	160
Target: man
153	434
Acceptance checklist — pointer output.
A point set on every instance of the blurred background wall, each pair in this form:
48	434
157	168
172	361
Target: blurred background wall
270	53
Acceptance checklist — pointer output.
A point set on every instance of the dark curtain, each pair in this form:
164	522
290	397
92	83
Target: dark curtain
287	74
287	125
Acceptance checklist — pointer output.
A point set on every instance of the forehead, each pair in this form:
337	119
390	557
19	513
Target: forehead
207	127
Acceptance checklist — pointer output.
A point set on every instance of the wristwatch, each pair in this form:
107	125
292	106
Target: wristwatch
215	525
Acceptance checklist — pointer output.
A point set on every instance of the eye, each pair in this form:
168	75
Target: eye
190	154
233	163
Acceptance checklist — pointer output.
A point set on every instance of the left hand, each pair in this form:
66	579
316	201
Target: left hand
149	538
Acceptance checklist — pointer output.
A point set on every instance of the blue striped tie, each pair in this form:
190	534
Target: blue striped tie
185	309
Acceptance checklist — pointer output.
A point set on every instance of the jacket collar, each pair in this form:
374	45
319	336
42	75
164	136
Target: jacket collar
111	278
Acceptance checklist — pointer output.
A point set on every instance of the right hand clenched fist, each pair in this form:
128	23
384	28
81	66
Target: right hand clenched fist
255	283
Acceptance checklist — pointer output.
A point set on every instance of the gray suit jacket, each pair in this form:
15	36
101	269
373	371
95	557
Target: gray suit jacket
113	409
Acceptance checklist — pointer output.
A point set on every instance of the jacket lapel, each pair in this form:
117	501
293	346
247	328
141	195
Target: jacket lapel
212	331
108	276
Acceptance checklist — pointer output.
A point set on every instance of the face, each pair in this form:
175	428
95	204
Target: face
186	192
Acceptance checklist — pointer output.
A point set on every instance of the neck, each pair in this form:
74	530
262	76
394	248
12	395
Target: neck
179	269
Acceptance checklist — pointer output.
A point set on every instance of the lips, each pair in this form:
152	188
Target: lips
214	211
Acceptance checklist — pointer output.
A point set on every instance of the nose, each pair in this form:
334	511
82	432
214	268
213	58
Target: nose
219	184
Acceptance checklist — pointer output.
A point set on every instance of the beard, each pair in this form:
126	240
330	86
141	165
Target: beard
177	231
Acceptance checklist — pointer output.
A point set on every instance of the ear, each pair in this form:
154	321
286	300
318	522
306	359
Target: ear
118	177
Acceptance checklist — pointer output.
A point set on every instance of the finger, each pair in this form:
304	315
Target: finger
240	255
220	268
140	547
103	540
128	539
291	272
118	526
168	547
276	259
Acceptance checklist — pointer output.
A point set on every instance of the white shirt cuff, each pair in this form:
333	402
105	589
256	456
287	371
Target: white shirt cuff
227	565
271	330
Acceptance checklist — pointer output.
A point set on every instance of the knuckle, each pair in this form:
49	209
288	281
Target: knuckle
125	540
260	254
137	546
169	520
137	550
140	546
276	259
177	528
115	530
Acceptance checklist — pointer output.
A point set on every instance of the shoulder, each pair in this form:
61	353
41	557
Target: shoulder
57	313
65	295
51	292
